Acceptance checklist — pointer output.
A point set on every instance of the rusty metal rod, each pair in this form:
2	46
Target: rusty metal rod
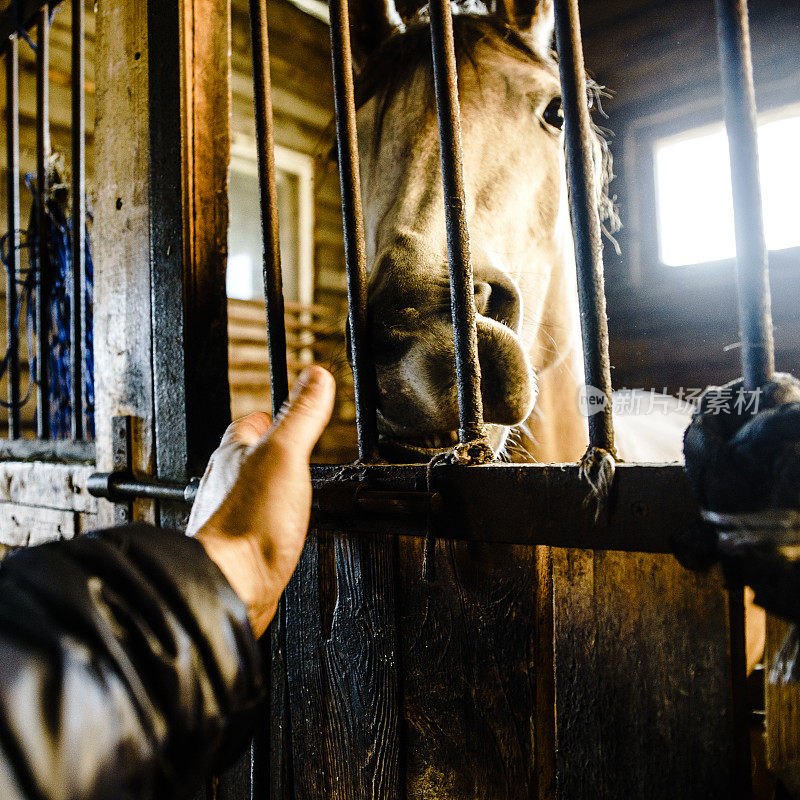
276	333
355	252
462	290
585	219
755	317
13	265
752	267
78	304
265	145
42	190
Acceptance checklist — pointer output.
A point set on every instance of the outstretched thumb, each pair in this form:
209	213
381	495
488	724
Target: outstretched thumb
305	414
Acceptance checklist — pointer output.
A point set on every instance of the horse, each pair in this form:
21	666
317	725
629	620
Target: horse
528	323
521	243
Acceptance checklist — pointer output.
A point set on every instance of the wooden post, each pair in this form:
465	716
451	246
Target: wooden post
161	231
783	717
122	338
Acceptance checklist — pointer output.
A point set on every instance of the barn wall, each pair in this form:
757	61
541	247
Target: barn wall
676	327
302	96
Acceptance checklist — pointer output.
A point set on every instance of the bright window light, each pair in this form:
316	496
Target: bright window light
239	278
693	190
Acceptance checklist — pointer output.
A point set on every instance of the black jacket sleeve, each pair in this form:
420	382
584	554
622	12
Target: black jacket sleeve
127	665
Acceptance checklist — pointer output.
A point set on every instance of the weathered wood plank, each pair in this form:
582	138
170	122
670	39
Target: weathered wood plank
305	674
362	704
783	717
122	335
642	678
468	654
343	682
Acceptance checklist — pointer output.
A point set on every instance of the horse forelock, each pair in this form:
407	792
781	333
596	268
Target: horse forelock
390	67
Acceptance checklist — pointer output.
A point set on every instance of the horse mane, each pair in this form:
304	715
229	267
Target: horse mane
409	49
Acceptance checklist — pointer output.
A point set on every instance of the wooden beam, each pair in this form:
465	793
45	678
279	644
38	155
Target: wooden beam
161	231
122	337
206	147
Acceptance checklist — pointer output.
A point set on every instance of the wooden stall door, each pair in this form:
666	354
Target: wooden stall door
518	672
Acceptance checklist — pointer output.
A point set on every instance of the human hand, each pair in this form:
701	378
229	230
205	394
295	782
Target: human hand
254	503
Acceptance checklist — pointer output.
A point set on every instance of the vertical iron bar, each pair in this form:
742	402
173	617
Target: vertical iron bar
755	317
78	309
355	253
168	268
269	751
265	145
42	188
752	269
585	218
462	291
12	174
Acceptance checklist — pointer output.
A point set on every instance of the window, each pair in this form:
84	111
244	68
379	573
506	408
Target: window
694	207
295	188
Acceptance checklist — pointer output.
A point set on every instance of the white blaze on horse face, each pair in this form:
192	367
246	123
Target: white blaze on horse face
519	233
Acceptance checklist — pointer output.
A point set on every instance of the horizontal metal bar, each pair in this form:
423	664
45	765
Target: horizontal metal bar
122	485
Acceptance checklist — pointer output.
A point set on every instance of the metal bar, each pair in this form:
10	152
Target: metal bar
42	188
585	219
265	139
120	486
462	291
78	306
273	742
364	378
12	174
168	247
752	268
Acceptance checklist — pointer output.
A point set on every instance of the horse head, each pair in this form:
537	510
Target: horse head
516	197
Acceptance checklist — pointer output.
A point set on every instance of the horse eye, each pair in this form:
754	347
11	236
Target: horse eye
553	114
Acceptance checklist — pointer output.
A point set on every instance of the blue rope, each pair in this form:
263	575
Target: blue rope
58	240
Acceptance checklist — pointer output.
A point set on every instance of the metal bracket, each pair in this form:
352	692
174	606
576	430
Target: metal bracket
121	461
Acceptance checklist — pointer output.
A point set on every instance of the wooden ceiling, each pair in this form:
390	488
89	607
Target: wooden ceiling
655	52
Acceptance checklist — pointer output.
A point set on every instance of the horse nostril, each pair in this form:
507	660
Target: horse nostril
483	291
497	301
